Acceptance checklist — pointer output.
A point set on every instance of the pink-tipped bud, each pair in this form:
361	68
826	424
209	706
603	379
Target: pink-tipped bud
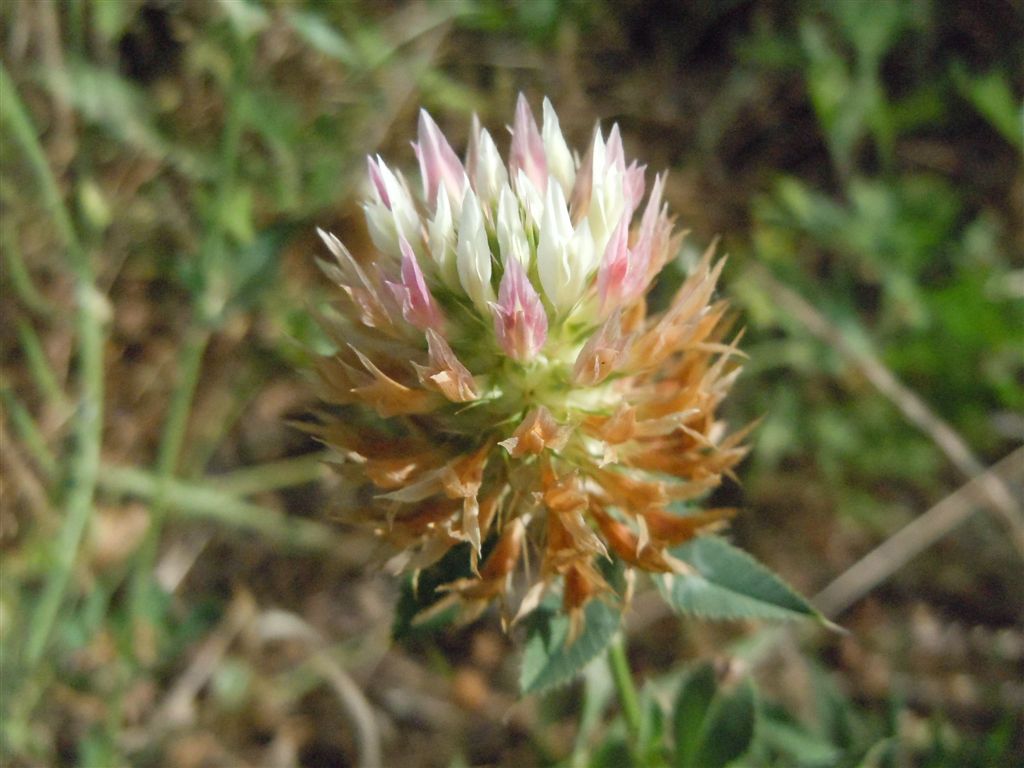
418	305
615	155
438	161
390	210
527	149
613	275
652	212
634	186
519	319
643	250
624	272
378	181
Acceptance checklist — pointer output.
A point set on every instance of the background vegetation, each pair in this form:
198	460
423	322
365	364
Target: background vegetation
176	588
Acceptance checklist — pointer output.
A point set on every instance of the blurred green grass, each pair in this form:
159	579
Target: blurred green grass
164	167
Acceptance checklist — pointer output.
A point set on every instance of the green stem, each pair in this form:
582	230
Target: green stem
29	433
168	454
92	310
270	477
85	463
17	117
21	280
191	500
190	364
39	367
625	687
206	313
203	501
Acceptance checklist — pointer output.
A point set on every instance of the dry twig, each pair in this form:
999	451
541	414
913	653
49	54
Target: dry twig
178	707
277	624
926	529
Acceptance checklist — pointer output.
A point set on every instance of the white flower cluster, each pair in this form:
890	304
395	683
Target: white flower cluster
561	220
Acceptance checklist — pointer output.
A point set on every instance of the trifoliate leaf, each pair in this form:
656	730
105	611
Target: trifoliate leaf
730	584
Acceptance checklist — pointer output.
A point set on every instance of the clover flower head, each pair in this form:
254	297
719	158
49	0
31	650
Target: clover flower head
502	383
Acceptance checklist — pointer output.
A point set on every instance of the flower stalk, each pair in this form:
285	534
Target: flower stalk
626	689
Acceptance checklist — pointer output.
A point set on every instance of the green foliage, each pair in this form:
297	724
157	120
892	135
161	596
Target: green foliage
420	593
781	735
548	659
992	96
898	220
700	724
538	20
693	702
890	247
847	92
315	30
727	583
726	729
121	110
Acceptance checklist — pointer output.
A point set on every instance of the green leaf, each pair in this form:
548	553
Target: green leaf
247	18
730	584
318	33
838	99
729	728
105	99
614	753
111	19
547	660
692	705
598	688
790	739
992	95
651	737
835	722
421	595
712	727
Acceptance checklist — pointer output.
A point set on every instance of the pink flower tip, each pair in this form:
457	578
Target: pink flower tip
615	155
373	167
438	161
418	305
527	149
623	275
520	322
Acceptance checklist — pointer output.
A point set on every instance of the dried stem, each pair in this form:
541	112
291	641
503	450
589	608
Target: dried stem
926	529
275	624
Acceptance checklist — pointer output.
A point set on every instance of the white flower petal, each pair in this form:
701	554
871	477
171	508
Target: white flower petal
557	253
560	161
490	175
512	240
473	256
441	232
530	198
